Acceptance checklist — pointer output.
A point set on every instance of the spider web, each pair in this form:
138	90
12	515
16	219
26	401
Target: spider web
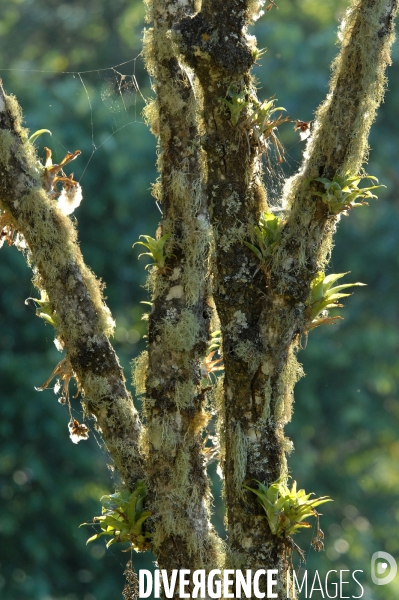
275	174
112	97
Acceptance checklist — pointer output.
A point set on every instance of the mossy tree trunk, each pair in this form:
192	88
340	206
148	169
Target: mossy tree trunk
212	196
47	237
263	312
175	403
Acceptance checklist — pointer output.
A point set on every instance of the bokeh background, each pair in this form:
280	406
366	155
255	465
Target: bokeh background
61	61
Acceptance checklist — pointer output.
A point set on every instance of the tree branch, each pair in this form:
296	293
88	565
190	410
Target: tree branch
83	321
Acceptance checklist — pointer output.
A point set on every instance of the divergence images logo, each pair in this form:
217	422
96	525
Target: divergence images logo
384	559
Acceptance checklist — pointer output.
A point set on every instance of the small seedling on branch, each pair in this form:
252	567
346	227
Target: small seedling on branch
267	234
43	308
342	192
156	250
123	517
236	104
257	54
323	296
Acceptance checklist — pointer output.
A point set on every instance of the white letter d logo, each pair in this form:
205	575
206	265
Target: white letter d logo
381	567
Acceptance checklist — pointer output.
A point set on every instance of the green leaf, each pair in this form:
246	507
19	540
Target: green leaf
37	133
123	517
286	509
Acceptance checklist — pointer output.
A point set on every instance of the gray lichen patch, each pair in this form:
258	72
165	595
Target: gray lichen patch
185	392
180	335
238	452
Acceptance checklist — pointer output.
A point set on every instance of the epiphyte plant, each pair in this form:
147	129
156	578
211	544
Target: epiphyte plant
286	508
342	192
267	234
259	125
209	366
50	172
323	296
236	104
43	308
215	342
156	250
123	517
263	126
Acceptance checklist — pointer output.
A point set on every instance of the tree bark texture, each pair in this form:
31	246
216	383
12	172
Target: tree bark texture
84	322
175	403
263	313
212	196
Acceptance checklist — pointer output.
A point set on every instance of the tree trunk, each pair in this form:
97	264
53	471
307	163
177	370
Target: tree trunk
212	198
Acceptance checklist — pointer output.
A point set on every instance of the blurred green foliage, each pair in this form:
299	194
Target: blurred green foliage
347	408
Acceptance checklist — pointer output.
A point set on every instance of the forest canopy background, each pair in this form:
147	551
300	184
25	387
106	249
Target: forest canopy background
57	59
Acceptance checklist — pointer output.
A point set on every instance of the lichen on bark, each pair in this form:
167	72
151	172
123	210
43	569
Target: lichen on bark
260	348
175	403
83	321
211	193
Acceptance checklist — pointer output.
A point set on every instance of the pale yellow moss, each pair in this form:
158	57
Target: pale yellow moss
173	102
157	190
96	387
148	51
184	394
139	372
267	395
123	451
247	351
52	240
155	285
182	335
254	10
6	143
195	245
151	115
15	111
164	432
181	471
179	185
293	371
